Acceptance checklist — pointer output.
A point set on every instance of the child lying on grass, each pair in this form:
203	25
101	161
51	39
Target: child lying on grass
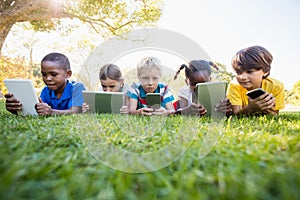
252	66
59	96
149	71
197	71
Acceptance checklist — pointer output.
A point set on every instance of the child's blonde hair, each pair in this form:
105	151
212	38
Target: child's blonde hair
149	63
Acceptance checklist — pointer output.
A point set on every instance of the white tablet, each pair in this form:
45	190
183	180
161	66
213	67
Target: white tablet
103	102
209	94
24	91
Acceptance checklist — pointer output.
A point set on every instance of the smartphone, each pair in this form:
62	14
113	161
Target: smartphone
253	94
153	100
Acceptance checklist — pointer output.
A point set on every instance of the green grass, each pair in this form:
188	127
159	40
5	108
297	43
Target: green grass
52	158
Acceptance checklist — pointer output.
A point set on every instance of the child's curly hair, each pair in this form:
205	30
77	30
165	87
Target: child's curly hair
196	65
58	58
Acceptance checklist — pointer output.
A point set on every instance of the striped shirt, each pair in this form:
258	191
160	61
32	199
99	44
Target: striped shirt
137	92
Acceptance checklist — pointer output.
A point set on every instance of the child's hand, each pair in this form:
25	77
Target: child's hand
42	108
161	111
194	109
85	107
146	111
124	110
224	106
12	105
262	103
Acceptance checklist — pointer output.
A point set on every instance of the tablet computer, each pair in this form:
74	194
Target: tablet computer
24	91
209	94
103	102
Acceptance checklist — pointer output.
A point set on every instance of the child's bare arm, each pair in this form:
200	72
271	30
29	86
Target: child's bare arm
44	109
263	104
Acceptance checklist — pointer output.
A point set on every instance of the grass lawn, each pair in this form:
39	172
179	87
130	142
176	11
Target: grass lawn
70	157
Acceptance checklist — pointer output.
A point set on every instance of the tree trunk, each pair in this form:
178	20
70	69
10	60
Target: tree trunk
4	30
27	10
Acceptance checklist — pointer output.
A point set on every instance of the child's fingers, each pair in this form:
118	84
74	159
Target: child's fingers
43	109
8	95
85	107
146	113
147	109
41	105
13	106
263	96
124	110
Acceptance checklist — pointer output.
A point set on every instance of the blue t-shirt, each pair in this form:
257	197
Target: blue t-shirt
72	96
137	92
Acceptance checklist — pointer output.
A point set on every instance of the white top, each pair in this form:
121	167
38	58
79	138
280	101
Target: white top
186	93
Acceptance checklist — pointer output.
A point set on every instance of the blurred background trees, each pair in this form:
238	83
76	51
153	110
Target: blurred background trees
293	96
25	19
106	17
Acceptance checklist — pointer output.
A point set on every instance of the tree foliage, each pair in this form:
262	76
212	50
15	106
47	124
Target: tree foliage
19	68
106	17
222	73
293	96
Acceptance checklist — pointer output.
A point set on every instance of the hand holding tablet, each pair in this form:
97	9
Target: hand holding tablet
23	90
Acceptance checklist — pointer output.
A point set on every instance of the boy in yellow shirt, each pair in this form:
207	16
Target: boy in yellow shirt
252	66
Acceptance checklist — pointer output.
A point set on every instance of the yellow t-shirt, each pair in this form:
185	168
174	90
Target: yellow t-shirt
237	94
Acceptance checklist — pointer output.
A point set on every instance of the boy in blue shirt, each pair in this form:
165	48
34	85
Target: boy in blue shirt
59	96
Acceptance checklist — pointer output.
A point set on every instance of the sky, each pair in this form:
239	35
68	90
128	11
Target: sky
222	28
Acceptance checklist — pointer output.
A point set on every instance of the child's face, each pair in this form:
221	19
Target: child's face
54	76
250	79
110	85
149	79
198	77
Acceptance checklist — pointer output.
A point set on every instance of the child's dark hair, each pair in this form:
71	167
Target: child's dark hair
110	71
59	58
195	65
254	57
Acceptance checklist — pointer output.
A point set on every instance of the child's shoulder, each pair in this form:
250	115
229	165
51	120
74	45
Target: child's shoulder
272	83
185	89
135	85
234	84
162	85
76	83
